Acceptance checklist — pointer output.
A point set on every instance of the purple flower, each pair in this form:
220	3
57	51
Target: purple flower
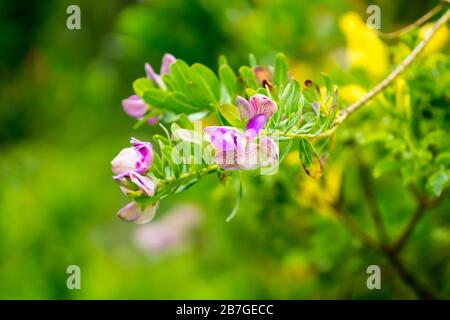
134	106
135	182
167	60
259	104
138	213
255	125
258	110
236	150
138	159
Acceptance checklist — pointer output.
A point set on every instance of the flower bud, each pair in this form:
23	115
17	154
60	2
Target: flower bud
138	158
134	106
138	213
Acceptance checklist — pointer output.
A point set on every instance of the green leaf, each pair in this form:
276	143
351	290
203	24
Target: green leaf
158	137
141	85
229	80
386	165
156	97
168	100
328	87
249	77
443	158
210	79
185	122
157	168
309	158
180	75
222	60
281	73
437	182
252	60
231	114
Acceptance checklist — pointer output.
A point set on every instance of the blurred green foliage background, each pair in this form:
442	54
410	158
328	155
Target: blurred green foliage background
61	123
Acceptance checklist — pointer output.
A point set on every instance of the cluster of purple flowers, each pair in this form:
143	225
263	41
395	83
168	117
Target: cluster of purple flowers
130	167
234	149
247	150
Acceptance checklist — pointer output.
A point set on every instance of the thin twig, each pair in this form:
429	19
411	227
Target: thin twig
394	74
422	291
374	211
427	16
421	209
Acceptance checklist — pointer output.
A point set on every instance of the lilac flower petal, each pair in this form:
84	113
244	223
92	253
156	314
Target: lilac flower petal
146	184
268	151
125	162
248	158
134	106
148	213
138	159
255	125
167	61
245	111
223	138
260	104
131	212
152	75
137	213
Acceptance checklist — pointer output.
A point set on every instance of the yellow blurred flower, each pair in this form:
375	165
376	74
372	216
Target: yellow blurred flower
438	42
292	159
403	97
364	48
322	195
300	70
351	93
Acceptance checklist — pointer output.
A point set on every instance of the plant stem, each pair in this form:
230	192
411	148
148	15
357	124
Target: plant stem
422	207
427	16
205	171
374	211
395	73
422	291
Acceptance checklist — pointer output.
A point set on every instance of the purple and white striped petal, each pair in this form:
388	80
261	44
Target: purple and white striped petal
223	138
145	149
260	104
268	151
144	183
245	111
